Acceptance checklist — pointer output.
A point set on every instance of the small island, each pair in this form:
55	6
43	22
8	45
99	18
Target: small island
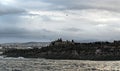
60	49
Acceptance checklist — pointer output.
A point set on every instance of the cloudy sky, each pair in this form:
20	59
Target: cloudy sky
46	20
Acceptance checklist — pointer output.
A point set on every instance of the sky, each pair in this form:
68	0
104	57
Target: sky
46	20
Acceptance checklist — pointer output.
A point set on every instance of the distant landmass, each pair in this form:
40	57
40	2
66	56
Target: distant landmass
60	49
25	45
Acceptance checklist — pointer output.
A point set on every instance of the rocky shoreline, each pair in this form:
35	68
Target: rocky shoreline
60	49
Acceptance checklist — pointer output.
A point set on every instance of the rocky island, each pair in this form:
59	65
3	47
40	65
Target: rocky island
60	49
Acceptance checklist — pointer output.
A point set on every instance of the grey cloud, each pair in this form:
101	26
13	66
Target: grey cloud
85	29
5	10
72	29
34	4
12	32
112	5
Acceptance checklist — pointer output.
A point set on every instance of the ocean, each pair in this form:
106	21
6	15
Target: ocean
23	64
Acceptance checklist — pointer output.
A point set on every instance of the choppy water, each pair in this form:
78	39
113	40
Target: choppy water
21	64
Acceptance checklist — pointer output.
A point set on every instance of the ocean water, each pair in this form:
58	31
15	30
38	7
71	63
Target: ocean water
23	64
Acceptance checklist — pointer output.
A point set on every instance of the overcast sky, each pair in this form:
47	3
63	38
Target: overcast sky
46	20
